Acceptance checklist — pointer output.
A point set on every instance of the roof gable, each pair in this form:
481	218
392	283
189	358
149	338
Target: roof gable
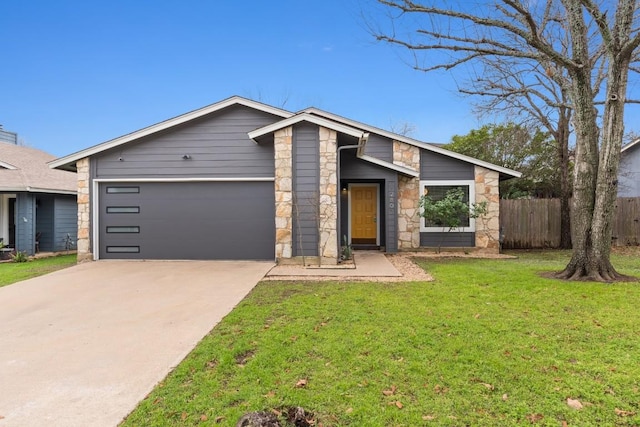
304	117
68	162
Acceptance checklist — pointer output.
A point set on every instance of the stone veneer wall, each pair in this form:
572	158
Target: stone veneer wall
284	192
328	190
84	209
408	196
488	226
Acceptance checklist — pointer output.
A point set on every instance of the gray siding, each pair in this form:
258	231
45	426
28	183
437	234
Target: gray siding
25	223
217	144
629	175
306	169
66	222
451	240
44	222
435	166
379	147
356	170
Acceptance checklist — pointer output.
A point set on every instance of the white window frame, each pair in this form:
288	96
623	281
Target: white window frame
450	183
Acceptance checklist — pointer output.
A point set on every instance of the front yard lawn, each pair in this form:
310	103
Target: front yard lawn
488	343
11	272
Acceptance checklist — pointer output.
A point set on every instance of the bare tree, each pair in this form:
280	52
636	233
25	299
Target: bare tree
577	38
532	94
402	128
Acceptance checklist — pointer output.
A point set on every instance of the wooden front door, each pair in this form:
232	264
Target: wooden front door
364	214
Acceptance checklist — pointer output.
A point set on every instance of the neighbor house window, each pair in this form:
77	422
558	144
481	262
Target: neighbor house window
437	190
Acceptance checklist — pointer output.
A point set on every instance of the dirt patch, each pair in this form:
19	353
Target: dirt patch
243	358
410	271
458	254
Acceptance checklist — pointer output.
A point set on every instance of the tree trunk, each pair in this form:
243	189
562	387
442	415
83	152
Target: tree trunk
584	263
607	182
597	156
562	141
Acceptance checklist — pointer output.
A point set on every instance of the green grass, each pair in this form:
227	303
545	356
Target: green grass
488	343
11	272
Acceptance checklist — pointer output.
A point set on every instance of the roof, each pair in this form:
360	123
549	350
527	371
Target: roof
504	172
630	145
312	115
25	169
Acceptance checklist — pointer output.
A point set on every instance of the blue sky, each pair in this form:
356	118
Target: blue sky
78	73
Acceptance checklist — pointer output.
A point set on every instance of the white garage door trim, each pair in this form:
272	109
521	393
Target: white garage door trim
95	206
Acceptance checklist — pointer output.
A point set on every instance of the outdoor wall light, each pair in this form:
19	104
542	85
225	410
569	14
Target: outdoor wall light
186	157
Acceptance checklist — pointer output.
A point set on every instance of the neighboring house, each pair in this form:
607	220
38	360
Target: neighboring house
629	172
38	206
6	136
243	180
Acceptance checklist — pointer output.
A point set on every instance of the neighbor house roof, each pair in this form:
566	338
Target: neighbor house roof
26	169
630	145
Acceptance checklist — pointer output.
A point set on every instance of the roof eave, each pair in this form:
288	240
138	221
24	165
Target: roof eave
630	145
400	169
22	189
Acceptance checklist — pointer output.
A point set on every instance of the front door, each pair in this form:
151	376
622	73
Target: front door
364	214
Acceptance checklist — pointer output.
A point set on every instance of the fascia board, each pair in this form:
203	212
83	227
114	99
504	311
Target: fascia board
35	190
401	169
629	145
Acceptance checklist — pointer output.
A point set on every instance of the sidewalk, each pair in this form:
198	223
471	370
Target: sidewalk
366	264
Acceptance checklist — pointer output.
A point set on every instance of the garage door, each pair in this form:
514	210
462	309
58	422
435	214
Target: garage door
187	220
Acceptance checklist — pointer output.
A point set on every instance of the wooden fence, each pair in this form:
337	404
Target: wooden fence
535	223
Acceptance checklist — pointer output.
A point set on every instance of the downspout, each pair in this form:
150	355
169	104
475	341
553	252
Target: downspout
360	146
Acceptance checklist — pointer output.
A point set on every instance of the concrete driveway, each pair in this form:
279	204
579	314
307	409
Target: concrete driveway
82	346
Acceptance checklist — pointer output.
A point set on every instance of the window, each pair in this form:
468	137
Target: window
123	249
437	190
123	229
112	190
123	209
